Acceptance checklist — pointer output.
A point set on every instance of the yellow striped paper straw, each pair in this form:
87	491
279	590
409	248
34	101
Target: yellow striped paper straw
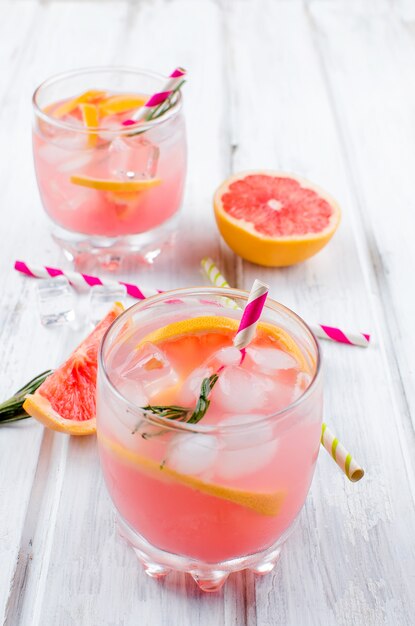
213	273
217	279
339	453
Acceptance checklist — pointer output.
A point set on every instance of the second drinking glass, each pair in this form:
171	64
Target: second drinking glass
111	190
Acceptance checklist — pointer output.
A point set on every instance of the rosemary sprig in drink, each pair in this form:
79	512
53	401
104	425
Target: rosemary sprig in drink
181	413
203	402
11	410
160	110
166	105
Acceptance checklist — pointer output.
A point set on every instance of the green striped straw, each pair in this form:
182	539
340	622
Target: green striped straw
337	451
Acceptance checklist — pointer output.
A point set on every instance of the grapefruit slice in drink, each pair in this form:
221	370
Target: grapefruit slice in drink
265	503
65	401
116	186
274	219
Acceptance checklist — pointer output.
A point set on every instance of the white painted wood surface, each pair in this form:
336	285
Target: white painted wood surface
322	88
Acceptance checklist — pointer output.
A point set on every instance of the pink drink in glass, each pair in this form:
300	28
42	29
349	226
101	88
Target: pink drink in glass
222	494
104	185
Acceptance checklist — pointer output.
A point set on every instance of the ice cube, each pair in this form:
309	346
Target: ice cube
51	153
248	430
239	391
303	381
55	301
133	391
192	453
279	395
270	360
68	198
132	158
237	463
190	391
77	162
245	451
151	367
227	356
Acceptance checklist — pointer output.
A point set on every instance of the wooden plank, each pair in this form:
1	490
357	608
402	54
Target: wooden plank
352	558
23	353
69	540
376	136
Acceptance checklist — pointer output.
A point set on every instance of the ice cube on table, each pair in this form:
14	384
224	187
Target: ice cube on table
132	159
190	391
102	298
192	453
244	451
270	360
239	391
151	367
55	301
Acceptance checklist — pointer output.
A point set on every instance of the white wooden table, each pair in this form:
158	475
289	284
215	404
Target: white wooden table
325	89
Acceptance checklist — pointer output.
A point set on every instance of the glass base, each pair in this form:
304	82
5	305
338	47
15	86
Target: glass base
115	254
158	563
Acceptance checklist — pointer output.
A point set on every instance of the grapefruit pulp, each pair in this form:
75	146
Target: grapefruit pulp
65	401
274	219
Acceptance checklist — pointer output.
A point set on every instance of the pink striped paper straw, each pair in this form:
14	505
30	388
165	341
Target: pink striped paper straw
322	331
81	280
340	336
175	78
251	314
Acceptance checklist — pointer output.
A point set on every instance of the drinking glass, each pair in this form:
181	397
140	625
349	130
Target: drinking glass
207	499
111	191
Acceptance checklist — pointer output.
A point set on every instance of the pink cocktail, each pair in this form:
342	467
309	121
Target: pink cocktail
214	493
109	189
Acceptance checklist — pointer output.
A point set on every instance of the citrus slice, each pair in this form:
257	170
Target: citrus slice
195	327
121	103
264	503
274	219
92	95
65	401
90	118
191	326
105	184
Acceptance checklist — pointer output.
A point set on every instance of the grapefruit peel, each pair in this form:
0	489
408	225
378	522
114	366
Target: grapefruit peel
65	401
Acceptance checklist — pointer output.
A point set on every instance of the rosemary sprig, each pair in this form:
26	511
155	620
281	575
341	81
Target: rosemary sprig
163	107
180	413
203	402
160	110
11	410
171	412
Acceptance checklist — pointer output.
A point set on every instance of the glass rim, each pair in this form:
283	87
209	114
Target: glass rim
276	416
55	78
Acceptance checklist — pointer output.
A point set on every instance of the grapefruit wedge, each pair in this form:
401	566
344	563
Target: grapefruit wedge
65	401
274	219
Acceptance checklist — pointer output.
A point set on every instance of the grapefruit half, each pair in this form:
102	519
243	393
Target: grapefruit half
273	218
65	401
